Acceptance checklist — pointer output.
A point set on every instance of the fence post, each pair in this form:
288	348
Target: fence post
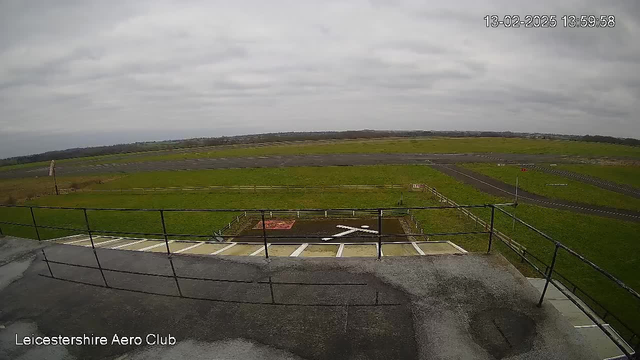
264	235
166	242
493	213
93	246
47	261
549	274
379	234
35	226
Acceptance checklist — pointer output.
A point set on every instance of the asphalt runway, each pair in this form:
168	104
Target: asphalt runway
82	168
495	187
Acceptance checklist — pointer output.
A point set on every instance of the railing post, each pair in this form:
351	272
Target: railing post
93	246
273	299
35	226
493	214
47	261
264	235
379	234
166	242
549	274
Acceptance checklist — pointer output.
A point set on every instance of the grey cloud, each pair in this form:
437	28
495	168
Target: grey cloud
210	68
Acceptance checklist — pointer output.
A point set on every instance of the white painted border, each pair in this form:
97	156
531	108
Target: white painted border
155	246
415	246
223	249
457	247
105	242
299	250
340	250
65	237
127	244
188	248
259	250
77	241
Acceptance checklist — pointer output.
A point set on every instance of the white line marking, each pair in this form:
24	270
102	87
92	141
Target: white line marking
259	250
155	246
340	250
127	244
66	237
457	247
299	250
106	242
223	249
349	231
76	241
586	326
415	246
189	248
356	229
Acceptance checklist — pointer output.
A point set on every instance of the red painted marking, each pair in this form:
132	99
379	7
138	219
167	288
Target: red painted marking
275	224
523	169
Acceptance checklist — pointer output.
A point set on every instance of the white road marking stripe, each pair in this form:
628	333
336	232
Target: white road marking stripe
259	250
588	326
415	246
223	249
340	250
155	246
76	241
105	242
66	237
189	248
457	247
299	250
356	229
127	244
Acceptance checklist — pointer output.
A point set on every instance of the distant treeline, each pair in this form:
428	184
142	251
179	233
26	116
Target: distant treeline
292	136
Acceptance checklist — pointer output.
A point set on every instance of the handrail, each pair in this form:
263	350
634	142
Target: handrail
574	253
258	210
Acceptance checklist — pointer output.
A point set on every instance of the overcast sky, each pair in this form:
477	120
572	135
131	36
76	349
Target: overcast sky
79	73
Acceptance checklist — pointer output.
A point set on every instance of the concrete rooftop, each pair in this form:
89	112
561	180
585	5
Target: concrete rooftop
420	307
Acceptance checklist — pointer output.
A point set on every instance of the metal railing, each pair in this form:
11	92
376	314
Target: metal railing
377	239
633	339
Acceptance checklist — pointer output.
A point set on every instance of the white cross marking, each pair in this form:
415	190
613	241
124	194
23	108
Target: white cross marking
349	231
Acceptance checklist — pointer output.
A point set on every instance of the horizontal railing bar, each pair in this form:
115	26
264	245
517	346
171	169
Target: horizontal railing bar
574	253
593	318
365	236
216	300
262	282
257	210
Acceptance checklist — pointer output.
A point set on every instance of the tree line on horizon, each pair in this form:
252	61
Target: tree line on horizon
291	136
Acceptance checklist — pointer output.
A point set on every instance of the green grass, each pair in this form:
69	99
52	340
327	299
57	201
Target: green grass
416	145
535	182
625	175
20	189
607	242
429	145
312	176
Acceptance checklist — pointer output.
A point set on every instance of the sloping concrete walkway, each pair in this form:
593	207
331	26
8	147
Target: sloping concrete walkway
599	341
